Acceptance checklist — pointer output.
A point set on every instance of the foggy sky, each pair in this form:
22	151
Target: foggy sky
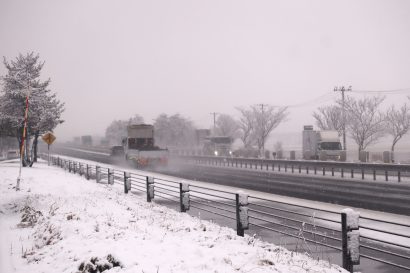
112	59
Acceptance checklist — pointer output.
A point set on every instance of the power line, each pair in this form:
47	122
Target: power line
322	98
329	96
392	91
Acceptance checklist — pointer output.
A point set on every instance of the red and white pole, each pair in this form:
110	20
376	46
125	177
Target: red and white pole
23	140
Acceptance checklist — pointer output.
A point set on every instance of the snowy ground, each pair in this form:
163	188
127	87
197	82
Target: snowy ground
60	222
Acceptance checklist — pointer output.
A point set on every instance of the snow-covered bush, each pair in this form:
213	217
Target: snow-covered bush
47	234
98	265
29	217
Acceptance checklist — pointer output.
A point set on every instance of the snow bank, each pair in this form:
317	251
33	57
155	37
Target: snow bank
60	222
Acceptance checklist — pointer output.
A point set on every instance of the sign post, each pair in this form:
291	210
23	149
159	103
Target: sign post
49	139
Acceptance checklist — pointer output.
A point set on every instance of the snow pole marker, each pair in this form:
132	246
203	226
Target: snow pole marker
23	139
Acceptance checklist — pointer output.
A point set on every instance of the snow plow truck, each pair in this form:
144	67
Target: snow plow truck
140	149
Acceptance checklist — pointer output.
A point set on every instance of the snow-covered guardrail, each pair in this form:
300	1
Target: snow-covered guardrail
383	241
376	171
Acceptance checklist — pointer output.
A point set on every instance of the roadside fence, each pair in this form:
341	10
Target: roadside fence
345	232
374	171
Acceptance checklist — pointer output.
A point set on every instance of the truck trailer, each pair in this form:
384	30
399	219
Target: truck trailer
322	145
140	149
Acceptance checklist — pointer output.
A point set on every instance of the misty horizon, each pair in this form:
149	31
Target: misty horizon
110	61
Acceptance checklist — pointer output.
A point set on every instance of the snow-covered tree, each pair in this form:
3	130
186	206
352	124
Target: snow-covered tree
365	121
267	118
21	81
246	126
174	130
226	126
117	130
397	124
329	118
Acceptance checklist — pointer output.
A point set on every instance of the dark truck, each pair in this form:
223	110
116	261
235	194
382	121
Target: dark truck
139	147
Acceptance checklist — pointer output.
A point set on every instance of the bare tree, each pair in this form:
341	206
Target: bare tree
365	120
329	118
174	130
226	126
267	118
397	124
246	125
117	130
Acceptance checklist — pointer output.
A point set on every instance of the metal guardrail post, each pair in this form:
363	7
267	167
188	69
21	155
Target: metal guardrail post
242	216
110	176
150	188
184	198
350	239
127	182
97	174
87	174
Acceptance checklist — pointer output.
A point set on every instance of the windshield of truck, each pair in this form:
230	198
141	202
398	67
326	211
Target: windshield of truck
330	146
221	140
140	143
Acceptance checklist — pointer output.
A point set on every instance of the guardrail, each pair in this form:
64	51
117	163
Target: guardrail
344	169
343	232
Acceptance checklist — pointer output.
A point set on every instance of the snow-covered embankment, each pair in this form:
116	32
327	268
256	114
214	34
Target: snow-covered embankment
60	222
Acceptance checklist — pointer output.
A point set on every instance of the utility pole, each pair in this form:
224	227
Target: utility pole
342	90
261	105
214	114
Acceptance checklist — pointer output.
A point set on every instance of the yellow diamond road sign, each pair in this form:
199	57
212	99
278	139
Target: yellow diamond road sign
48	138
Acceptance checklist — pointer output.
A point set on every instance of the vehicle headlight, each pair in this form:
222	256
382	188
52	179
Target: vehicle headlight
230	152
216	153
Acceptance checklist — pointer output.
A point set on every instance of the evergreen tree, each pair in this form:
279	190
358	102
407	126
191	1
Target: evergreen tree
44	111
